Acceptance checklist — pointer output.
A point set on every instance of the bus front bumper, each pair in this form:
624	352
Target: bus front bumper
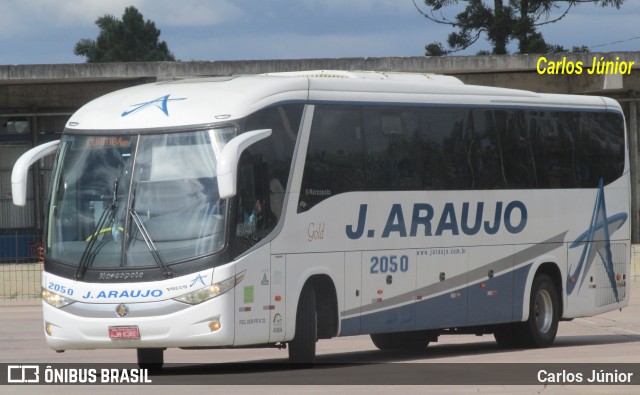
163	324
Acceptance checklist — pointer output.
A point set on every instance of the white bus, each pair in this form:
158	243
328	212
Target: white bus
276	210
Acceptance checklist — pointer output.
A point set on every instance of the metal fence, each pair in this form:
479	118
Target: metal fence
20	246
20	264
19	282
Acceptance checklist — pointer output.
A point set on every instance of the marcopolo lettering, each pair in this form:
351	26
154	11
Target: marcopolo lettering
426	221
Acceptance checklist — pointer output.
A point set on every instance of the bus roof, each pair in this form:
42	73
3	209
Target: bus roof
201	101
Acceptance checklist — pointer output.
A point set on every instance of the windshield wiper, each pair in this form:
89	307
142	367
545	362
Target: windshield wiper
87	256
166	272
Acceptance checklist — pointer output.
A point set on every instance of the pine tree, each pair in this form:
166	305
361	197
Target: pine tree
501	22
128	40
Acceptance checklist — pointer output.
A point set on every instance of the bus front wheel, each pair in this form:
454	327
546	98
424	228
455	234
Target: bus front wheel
302	349
150	358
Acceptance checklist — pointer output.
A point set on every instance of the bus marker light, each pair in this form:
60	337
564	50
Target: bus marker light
278	298
483	285
573	279
214	325
380	292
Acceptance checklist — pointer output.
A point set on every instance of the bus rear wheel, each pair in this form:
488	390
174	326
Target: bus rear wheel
405	341
302	349
509	335
544	314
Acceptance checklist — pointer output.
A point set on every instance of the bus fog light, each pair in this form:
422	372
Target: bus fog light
214	325
48	328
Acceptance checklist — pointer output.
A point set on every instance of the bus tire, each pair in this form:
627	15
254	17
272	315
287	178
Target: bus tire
404	341
508	335
544	314
384	341
151	359
302	349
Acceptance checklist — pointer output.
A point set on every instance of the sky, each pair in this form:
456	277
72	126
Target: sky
45	31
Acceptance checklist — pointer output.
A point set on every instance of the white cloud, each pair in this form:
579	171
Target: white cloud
362	6
36	17
189	12
300	46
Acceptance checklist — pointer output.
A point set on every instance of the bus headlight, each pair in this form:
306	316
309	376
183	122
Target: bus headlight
54	299
210	292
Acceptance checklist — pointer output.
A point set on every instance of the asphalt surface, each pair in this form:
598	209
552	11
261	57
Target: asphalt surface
352	364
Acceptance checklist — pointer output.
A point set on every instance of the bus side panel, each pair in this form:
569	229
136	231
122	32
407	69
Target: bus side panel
441	292
389	280
278	296
598	255
603	286
490	290
352	293
253	298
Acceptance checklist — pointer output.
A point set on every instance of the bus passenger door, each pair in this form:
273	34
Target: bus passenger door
388	291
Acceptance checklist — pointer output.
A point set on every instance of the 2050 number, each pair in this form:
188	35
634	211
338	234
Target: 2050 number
60	289
389	264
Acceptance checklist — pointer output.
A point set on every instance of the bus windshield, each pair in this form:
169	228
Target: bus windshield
136	200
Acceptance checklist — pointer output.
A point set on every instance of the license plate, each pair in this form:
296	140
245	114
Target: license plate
124	332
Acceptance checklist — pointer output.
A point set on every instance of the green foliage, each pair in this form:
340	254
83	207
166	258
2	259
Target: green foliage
128	40
501	21
435	49
580	49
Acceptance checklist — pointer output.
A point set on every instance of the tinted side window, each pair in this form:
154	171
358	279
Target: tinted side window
553	135
392	153
263	173
393	148
335	155
600	148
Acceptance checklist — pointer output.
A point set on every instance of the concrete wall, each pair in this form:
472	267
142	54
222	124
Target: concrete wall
49	90
33	89
453	65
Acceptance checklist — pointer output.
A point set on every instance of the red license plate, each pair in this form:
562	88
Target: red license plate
124	332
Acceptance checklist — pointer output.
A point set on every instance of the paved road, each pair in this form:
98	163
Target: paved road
611	338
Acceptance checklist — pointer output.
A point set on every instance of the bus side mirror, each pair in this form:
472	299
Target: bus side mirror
230	155
21	170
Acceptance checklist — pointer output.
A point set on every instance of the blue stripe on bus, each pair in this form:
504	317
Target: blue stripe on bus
466	306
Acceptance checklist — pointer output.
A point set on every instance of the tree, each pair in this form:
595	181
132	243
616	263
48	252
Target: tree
128	40
507	20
